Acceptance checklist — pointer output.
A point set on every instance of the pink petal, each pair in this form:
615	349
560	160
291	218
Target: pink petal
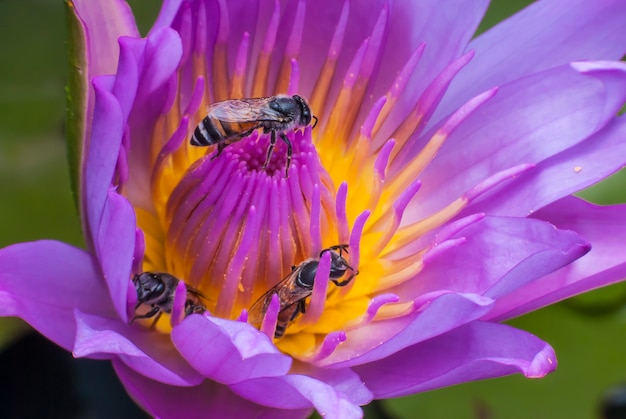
528	121
43	282
434	314
298	392
568	172
105	22
228	351
104	147
115	246
473	352
344	380
444	27
148	353
209	399
544	35
605	264
160	55
168	12
127	74
497	256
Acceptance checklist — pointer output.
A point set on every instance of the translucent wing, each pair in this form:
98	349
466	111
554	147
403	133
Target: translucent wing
244	110
288	294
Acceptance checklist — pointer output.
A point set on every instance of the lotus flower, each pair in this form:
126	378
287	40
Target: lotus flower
445	165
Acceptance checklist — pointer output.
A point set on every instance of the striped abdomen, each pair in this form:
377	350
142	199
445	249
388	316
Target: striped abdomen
211	131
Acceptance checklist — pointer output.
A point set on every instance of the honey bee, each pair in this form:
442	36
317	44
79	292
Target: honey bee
157	290
231	120
293	290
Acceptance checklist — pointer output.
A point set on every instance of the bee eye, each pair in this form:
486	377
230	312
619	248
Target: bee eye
306	276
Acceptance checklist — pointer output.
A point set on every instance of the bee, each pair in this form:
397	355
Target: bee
157	290
231	120
293	290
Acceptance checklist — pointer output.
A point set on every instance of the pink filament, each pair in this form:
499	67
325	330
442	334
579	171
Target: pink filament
271	317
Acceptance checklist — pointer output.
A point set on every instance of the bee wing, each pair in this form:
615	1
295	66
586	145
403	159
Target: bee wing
196	297
288	294
244	110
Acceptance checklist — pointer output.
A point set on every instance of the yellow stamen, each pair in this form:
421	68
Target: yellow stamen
329	142
320	92
410	233
282	83
410	172
260	75
236	90
401	272
393	310
220	72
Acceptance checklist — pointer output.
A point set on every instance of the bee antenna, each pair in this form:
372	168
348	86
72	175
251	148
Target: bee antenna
314	117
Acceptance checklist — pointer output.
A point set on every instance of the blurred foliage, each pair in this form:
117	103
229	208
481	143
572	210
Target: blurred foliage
34	180
587	332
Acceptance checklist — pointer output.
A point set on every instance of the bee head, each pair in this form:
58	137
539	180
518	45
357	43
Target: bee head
150	286
305	111
338	266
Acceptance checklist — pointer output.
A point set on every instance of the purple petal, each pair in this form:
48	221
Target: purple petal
168	12
148	353
208	399
498	255
127	74
104	147
161	59
434	314
105	22
444	27
116	247
473	352
407	25
160	56
43	282
528	121
228	351
243	17
320	22
605	264
581	166
545	34
298	392
344	380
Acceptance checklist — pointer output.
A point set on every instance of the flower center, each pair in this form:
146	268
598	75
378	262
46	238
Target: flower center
234	231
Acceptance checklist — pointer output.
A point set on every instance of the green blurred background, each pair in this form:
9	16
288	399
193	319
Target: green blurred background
587	332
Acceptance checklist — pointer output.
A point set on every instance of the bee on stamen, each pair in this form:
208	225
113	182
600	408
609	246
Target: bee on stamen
156	290
231	120
293	290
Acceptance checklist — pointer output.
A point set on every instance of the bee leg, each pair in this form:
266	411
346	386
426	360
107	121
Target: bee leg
289	152
301	306
220	148
189	308
156	319
300	309
280	331
149	314
192	308
347	281
270	150
340	247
